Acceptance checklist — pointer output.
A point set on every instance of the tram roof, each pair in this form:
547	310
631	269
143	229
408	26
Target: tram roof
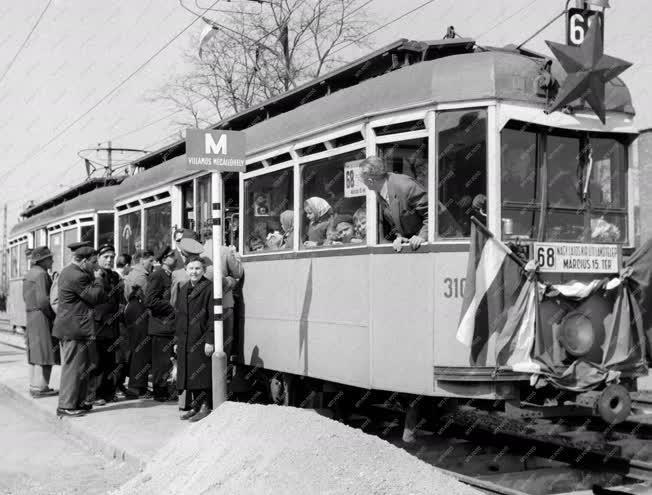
68	194
502	73
175	168
101	198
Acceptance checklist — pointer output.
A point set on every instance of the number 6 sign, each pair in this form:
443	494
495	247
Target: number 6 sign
578	22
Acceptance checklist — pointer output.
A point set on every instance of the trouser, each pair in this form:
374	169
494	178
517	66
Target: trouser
39	376
75	368
102	377
227	330
161	364
200	396
141	357
123	357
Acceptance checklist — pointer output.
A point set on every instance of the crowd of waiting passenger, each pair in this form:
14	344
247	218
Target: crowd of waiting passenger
113	331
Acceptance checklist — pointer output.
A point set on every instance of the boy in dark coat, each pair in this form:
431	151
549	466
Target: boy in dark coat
161	322
80	290
195	339
103	376
42	349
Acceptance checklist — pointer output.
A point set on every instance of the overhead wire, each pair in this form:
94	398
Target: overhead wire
22	46
102	99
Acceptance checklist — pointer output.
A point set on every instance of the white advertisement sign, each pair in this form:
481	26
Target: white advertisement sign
353	185
559	257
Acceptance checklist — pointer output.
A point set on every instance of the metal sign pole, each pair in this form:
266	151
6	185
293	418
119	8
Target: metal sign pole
218	360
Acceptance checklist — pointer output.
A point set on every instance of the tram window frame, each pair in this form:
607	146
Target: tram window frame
540	229
166	239
274	232
357	152
442	209
138	243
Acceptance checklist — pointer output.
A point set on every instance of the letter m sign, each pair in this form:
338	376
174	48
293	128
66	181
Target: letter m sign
220	151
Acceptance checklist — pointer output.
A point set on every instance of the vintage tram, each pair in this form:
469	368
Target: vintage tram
464	122
83	212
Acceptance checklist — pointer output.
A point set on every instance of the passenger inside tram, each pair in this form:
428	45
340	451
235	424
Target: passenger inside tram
287	225
360	226
319	214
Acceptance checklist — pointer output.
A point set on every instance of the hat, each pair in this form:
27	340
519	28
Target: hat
74	247
28	252
105	248
84	252
40	253
167	251
190	246
185	234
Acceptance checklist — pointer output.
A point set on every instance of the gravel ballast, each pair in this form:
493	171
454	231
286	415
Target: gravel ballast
250	448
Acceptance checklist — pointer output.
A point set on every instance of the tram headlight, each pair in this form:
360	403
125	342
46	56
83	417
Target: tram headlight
576	334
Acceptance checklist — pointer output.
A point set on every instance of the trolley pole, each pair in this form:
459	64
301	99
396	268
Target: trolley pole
218	360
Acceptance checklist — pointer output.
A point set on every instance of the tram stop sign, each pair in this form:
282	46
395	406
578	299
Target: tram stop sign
216	151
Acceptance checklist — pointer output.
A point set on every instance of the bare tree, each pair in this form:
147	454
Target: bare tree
257	54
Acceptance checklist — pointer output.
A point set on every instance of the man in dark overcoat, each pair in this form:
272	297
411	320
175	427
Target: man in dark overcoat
104	372
80	290
161	323
42	348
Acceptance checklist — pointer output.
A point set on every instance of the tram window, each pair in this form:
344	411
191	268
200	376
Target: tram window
563	157
158	227
231	208
408	158
331	206
608	174
462	166
55	247
188	205
88	234
203	207
268	197
14	261
129	238
69	236
106	227
24	265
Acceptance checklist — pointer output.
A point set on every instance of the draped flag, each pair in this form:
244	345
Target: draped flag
209	32
493	284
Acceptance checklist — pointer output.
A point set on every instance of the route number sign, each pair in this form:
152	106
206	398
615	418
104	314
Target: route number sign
578	22
353	185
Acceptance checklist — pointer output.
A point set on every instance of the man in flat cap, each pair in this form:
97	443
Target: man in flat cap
42	348
136	321
104	372
161	322
80	290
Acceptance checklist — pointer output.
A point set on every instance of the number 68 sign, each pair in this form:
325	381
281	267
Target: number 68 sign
578	22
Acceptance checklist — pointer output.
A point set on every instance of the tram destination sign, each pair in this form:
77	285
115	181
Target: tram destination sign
353	185
217	151
559	257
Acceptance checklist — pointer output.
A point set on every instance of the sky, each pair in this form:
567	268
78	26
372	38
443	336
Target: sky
82	49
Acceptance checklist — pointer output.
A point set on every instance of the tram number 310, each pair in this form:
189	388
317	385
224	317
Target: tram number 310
454	287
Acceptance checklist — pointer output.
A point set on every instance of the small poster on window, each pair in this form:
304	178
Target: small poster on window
262	201
353	185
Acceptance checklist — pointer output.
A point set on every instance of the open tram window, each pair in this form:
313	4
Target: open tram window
409	158
188	205
88	234
462	168
203	207
334	211
269	215
231	208
585	190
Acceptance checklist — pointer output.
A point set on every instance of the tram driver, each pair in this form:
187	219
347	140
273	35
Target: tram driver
403	201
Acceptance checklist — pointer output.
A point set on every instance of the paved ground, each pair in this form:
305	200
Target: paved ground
37	459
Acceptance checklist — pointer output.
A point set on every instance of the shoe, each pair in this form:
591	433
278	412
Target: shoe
70	413
189	414
99	402
120	395
86	406
203	412
39	394
146	395
161	398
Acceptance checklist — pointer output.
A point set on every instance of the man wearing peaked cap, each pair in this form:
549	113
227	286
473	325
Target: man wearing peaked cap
80	290
103	375
76	245
42	348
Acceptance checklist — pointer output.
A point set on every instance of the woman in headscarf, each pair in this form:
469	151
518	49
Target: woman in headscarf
287	224
319	213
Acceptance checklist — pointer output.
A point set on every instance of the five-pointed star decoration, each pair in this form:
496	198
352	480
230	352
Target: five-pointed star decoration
588	69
